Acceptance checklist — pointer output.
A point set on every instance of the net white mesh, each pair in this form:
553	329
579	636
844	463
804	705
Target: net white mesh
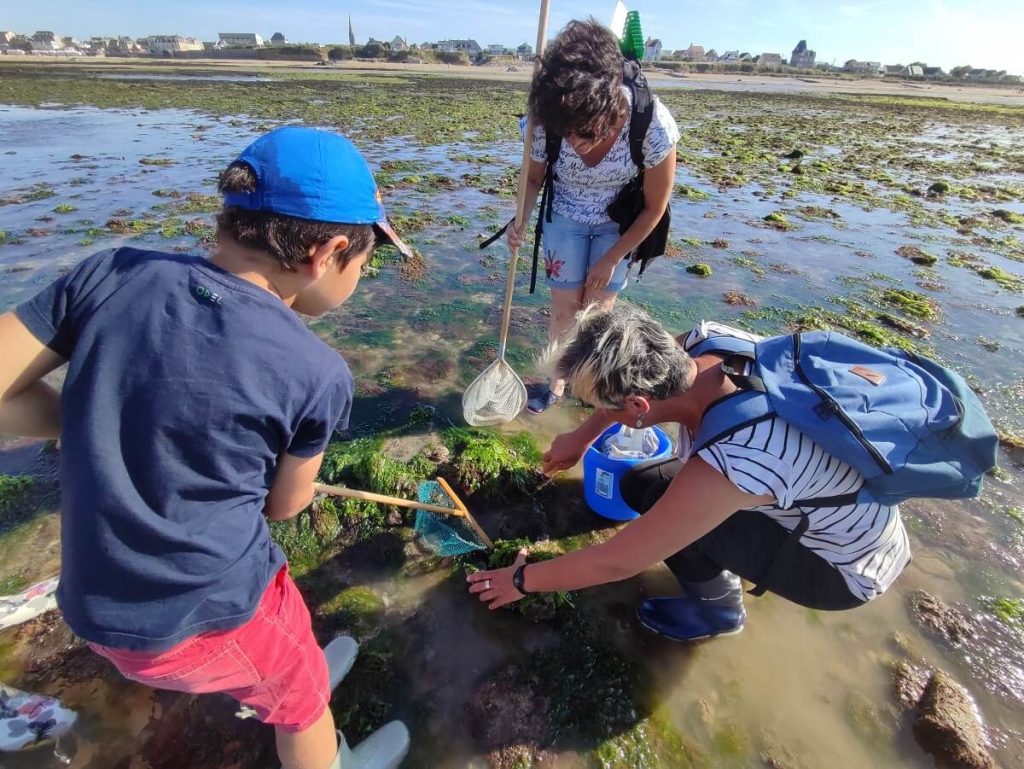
494	397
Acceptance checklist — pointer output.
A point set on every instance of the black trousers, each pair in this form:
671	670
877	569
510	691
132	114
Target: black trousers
747	543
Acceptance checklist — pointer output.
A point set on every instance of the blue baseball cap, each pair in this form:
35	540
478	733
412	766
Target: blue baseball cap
314	174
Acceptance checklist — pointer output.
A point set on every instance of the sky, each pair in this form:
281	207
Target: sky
946	33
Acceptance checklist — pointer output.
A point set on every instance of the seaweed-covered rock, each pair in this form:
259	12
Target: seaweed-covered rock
909	682
948	726
700	270
935	615
917	255
937	189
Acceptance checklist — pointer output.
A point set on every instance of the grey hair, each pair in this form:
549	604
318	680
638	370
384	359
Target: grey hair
608	355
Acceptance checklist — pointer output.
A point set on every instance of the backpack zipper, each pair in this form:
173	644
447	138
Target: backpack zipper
834	408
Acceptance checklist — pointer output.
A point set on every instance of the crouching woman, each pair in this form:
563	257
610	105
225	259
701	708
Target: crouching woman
741	506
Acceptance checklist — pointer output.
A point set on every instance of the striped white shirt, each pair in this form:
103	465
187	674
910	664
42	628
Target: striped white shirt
866	542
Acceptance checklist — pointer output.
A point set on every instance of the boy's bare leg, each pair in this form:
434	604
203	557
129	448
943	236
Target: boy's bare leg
313	748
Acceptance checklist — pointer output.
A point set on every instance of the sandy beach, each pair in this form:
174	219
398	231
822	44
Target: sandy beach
763	83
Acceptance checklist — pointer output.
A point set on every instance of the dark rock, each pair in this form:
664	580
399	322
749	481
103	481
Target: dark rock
939	188
933	614
794	155
949	728
508	715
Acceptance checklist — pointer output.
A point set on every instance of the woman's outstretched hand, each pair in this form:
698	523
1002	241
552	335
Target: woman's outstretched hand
566	450
495	587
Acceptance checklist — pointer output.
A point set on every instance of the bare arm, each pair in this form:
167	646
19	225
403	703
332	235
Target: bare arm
658	183
698	499
28	406
292	489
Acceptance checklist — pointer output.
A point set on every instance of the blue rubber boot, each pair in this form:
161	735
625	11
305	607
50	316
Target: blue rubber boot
708	609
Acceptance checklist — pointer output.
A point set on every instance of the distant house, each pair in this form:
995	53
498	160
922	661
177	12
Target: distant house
6	38
769	60
124	46
694	53
239	40
525	51
914	70
45	36
934	72
711	55
746	56
802	57
168	45
277	39
495	49
863	67
652	49
730	56
398	44
470	47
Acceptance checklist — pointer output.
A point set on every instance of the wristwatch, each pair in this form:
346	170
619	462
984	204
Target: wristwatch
517	580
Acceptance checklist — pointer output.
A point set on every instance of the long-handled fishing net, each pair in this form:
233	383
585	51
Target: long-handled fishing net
443	521
498	394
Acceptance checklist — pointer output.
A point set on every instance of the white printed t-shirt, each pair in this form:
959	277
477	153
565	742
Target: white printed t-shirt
583	193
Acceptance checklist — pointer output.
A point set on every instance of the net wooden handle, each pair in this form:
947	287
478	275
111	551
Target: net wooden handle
369	496
524	172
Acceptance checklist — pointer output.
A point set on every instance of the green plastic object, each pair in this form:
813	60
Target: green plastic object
632	43
446	535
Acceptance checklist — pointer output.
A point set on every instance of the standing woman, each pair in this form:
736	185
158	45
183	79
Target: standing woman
578	94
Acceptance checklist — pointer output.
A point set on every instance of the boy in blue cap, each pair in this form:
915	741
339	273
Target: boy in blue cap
196	405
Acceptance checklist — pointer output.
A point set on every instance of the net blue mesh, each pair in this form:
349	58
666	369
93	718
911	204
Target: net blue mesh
446	535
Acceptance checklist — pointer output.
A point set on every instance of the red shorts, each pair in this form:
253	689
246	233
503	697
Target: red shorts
271	663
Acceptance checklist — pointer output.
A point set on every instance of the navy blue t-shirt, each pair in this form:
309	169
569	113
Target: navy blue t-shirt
185	384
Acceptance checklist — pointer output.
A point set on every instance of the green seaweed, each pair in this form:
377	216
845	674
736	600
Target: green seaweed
912	303
1009	611
493	463
357	609
13	489
701	270
64	208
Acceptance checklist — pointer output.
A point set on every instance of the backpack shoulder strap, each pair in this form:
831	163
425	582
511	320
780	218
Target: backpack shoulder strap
722	344
642	112
552	148
730	414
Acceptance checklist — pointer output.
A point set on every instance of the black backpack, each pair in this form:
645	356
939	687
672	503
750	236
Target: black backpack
630	201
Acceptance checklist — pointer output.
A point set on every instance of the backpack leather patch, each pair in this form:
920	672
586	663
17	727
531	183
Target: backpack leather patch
874	377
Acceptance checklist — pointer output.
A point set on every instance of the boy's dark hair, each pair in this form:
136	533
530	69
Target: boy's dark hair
578	88
286	238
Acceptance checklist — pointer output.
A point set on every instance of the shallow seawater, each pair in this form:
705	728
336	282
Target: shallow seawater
804	688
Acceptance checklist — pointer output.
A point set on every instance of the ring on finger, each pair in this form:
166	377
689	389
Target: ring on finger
487	584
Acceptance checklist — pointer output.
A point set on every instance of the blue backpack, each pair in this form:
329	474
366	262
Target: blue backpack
909	426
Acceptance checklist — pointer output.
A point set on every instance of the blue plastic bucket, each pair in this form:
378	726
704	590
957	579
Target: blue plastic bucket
601	476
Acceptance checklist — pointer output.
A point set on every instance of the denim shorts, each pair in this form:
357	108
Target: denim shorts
571	247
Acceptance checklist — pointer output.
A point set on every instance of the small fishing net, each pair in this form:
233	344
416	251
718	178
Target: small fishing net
446	535
494	397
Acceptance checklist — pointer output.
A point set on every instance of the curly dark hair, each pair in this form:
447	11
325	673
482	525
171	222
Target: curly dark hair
577	89
287	238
